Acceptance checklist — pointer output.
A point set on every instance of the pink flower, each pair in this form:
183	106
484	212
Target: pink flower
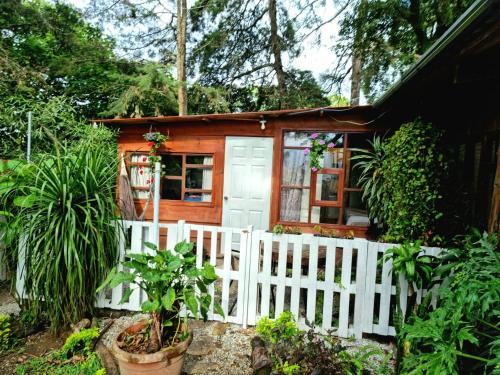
307	151
147	182
321	141
314	169
144	159
141	172
314	135
330	145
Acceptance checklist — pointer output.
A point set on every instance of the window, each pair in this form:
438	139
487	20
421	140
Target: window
328	196
185	177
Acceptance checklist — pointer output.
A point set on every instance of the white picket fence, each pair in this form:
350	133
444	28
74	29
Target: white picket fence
338	284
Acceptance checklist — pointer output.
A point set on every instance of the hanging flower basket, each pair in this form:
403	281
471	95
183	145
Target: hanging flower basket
155	140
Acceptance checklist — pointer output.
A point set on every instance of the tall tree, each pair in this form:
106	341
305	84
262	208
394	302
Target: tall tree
150	29
246	42
384	37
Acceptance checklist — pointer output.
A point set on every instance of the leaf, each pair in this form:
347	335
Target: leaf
148	306
26	201
121	277
218	309
126	295
168	299
151	246
191	302
108	279
183	247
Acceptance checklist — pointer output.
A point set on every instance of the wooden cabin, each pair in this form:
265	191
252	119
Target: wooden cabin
243	169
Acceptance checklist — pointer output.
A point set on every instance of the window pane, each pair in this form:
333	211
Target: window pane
294	205
355	210
303	139
193	197
194	178
327	187
199	159
333	158
353	173
296	169
360	140
173	164
324	215
140	176
297	139
139	158
171	189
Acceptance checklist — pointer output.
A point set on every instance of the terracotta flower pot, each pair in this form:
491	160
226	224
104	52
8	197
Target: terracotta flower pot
164	362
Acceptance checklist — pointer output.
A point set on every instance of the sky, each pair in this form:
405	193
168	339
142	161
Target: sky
317	59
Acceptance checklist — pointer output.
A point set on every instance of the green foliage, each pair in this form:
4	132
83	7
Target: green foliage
278	229
5	333
65	211
319	145
152	92
390	35
52	119
171	281
371	179
74	358
413	167
461	333
79	343
294	351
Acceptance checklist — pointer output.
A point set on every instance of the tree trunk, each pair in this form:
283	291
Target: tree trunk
276	50
357	60
415	20
356	79
181	55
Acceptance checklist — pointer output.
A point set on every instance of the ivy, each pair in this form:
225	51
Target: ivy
412	169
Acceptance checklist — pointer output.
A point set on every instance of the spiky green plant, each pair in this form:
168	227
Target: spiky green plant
371	177
66	214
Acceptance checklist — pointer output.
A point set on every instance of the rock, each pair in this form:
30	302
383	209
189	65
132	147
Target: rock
219	329
201	368
201	345
84	323
196	324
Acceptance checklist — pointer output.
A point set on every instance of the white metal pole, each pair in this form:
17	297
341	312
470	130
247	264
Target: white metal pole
28	151
156	205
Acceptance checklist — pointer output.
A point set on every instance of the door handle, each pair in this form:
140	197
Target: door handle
225	197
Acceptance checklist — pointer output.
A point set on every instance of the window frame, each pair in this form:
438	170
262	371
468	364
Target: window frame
182	177
342	172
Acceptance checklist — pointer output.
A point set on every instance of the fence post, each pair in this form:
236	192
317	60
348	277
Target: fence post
361	269
253	270
244	270
21	268
180	230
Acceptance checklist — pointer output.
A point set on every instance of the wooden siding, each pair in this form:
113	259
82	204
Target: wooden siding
209	137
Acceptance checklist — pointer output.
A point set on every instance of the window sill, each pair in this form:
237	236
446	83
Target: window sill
171	202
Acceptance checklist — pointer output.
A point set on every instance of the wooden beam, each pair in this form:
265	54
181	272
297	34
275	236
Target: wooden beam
494	219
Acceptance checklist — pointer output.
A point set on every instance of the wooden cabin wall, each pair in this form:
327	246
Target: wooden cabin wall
209	137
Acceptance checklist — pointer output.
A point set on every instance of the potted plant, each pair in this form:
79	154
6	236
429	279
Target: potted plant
172	282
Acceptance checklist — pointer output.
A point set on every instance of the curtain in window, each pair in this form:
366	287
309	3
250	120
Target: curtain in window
140	176
295	201
207	179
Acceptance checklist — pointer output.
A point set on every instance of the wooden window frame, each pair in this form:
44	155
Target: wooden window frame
342	172
182	177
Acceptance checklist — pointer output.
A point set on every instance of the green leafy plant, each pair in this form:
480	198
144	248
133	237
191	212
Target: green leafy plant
371	179
294	351
462	332
5	333
171	281
278	229
65	213
76	357
412	168
319	145
155	140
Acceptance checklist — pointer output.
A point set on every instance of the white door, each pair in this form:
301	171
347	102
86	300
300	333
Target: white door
247	182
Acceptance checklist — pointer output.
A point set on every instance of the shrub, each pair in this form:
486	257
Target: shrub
294	351
462	333
65	211
412	170
74	358
5	333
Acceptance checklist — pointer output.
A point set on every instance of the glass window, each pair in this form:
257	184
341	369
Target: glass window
325	215
294	205
355	209
296	171
194	178
173	164
327	187
171	189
